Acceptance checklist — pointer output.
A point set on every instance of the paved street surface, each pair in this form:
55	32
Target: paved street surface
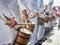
53	38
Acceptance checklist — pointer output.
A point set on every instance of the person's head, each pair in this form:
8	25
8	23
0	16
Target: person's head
54	9
24	13
46	6
47	12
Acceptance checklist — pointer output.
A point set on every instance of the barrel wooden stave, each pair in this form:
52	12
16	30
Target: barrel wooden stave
53	17
30	27
16	44
21	40
47	19
24	35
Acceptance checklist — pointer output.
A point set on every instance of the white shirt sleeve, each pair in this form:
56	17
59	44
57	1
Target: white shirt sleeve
32	5
8	12
40	5
50	6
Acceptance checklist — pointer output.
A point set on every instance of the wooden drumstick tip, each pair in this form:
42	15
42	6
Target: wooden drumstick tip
7	23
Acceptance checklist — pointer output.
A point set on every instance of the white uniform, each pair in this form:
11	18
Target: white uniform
50	10
41	28
23	6
58	18
47	23
33	8
36	7
7	35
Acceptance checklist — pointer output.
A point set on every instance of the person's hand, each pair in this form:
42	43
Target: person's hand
13	23
33	15
57	14
8	22
54	12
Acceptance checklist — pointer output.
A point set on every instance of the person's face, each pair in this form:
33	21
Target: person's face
24	12
46	6
25	15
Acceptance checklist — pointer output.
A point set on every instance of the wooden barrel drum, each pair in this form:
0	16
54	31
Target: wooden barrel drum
23	35
47	19
40	21
30	27
52	17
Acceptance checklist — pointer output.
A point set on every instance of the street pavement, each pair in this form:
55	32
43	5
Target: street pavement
53	38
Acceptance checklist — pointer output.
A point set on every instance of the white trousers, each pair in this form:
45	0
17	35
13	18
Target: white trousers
33	37
40	33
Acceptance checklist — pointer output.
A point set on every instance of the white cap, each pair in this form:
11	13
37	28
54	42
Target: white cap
8	12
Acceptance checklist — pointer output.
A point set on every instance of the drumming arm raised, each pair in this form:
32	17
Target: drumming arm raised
13	23
57	14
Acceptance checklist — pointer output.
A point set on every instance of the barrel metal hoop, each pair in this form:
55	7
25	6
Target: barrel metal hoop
24	37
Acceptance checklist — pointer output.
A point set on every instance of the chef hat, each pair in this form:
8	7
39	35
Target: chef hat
40	5
51	2
8	12
50	6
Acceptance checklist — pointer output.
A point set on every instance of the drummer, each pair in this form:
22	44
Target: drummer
55	9
7	34
34	11
39	29
47	26
50	9
58	17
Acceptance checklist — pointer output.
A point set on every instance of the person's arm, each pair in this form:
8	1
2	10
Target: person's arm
32	5
8	12
57	14
33	15
13	22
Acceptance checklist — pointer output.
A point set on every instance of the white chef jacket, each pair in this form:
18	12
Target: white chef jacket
50	11
47	24
58	18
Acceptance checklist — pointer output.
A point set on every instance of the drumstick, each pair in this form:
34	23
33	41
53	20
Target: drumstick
27	24
21	24
2	18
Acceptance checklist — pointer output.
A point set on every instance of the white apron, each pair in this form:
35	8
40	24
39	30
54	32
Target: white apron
47	24
32	5
41	30
33	37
